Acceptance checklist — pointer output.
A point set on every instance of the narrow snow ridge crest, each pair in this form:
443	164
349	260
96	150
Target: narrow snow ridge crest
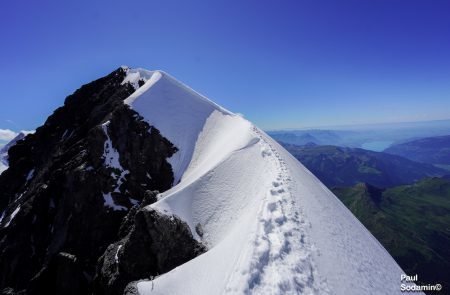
136	76
176	110
271	227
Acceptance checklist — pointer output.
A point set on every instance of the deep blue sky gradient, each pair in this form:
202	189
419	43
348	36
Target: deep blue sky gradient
283	64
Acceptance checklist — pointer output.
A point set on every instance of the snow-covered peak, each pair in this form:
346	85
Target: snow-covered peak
173	108
270	225
136	76
133	75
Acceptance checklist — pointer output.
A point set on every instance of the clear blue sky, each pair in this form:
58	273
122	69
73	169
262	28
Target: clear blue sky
283	64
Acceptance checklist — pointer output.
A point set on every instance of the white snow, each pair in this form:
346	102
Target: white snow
271	227
112	160
121	180
13	214
177	111
110	154
26	132
30	175
4	157
116	257
21	195
109	202
3	167
226	135
134	75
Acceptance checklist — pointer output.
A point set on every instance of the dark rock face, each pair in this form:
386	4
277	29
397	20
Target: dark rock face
63	275
62	204
155	244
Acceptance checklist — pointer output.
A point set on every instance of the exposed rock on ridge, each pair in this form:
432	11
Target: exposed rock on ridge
62	204
154	244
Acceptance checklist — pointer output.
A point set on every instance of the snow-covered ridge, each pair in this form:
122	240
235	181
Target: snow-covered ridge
133	76
270	225
176	110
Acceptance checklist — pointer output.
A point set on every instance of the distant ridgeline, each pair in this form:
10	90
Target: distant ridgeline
402	196
432	150
342	166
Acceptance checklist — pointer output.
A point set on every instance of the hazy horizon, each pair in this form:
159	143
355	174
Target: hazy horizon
360	126
431	125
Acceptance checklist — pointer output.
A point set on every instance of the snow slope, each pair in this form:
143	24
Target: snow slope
3	167
4	158
176	110
271	227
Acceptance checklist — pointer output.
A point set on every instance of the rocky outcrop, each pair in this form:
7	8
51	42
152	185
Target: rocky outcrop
71	184
155	244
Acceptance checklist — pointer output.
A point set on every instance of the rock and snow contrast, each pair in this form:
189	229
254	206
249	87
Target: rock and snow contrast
235	212
270	226
3	164
4	150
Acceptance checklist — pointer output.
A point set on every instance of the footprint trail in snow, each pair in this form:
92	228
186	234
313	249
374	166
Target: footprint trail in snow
282	259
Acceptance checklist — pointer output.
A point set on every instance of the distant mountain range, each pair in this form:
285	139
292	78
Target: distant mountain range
407	211
342	166
302	137
411	221
432	150
376	137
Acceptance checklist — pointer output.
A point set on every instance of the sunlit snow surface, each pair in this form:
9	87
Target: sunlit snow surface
4	158
177	111
13	214
271	227
112	160
3	167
